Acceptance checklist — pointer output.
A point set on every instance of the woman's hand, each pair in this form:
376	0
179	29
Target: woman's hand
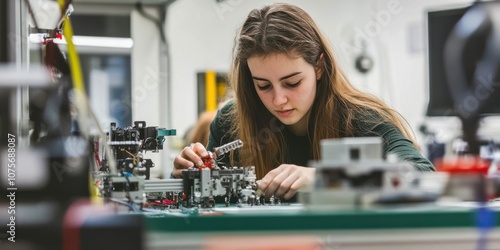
286	180
189	157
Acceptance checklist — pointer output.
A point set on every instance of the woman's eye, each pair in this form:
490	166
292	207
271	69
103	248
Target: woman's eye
264	87
292	85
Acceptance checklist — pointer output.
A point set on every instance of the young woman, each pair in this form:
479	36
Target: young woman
290	93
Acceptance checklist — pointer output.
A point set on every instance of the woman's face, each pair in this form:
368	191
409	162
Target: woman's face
286	86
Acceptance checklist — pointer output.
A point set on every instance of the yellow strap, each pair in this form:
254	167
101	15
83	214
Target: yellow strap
211	90
78	86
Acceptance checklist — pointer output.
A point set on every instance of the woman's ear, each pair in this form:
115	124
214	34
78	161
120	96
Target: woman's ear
320	67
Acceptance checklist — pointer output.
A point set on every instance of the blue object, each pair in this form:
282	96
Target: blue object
485	221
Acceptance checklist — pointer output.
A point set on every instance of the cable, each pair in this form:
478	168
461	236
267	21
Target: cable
81	102
127	187
74	60
129	205
133	156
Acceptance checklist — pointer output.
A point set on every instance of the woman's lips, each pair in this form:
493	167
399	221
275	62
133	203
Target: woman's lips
285	113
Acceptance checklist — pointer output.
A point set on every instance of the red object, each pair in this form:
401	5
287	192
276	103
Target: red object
463	165
166	202
75	217
59	36
207	163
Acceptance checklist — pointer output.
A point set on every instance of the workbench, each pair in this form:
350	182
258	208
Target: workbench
429	226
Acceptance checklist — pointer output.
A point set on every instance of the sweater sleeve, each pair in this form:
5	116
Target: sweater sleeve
396	143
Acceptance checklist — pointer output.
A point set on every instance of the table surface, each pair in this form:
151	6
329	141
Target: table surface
299	218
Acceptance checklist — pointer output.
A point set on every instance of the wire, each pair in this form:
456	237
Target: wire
76	71
127	187
127	204
82	103
133	156
149	210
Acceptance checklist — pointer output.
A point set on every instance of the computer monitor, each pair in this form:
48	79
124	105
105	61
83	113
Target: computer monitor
439	26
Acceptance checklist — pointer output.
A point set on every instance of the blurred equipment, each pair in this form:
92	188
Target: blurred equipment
352	173
47	171
441	24
4	10
472	66
93	226
468	180
47	176
435	149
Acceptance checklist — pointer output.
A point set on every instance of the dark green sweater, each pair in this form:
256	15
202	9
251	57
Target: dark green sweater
299	148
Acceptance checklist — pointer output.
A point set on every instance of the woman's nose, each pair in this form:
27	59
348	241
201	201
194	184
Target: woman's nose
279	97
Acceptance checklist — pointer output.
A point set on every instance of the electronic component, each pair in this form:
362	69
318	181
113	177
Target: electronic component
203	186
128	144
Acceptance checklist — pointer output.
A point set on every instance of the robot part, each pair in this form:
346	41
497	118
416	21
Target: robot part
128	144
219	151
201	187
210	184
211	160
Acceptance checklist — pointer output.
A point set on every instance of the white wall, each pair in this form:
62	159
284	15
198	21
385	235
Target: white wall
147	86
201	34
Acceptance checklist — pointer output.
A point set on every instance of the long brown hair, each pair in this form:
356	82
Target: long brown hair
284	28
